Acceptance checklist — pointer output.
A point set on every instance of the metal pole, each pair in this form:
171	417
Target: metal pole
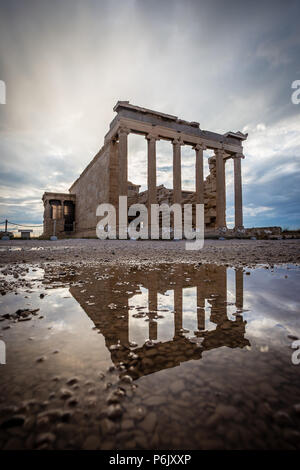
5	225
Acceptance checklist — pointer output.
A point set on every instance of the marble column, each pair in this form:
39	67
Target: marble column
123	179
199	173
47	217
47	209
220	177
114	173
224	172
177	196
238	200
123	161
151	174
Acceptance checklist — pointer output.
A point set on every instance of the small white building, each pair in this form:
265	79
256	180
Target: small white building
25	233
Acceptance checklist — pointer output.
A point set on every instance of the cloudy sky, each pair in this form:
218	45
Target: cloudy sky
228	65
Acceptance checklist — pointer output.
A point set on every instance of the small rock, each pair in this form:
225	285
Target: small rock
91	443
127	424
72	402
139	412
107	427
25	318
292	337
65	393
14	421
45	438
41	359
126	379
72	381
282	418
296	408
148	424
114	411
226	411
113	398
155	400
177	386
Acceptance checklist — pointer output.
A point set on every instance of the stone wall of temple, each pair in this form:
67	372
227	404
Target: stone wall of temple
91	189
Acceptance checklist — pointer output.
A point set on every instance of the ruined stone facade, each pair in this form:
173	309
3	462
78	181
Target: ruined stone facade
106	176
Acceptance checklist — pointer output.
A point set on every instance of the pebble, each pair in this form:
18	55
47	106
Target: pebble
282	418
226	411
127	424
65	393
155	400
29	423
72	402
149	422
126	379
46	437
296	408
91	443
17	420
72	381
114	411
41	359
177	386
107	427
113	398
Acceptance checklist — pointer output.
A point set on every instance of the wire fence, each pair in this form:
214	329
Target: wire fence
15	228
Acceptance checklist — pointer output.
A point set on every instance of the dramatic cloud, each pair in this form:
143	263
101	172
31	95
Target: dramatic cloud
229	65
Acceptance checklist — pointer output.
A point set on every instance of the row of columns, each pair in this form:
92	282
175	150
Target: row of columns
219	307
177	189
48	206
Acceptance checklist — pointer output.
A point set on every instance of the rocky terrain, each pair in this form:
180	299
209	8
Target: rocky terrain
222	252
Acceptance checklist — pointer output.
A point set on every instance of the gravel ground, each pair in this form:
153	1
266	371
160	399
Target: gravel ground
226	252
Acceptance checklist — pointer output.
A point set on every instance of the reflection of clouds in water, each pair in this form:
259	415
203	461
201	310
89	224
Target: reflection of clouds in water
189	310
273	301
165	325
166	300
138	328
209	325
64	326
260	327
63	312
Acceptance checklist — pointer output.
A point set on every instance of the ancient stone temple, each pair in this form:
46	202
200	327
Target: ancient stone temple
106	176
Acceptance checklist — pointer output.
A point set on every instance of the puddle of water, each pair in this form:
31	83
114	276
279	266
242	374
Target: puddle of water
205	351
13	248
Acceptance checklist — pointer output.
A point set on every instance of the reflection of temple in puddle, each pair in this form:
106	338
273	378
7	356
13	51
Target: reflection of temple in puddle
183	310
